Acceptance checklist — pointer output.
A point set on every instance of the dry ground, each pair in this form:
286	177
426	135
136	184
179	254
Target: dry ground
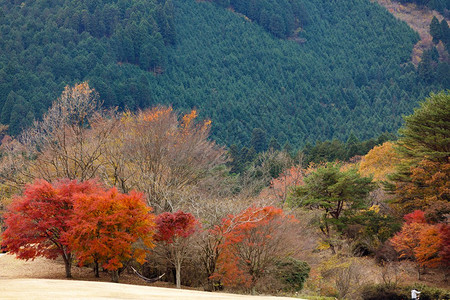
44	279
419	19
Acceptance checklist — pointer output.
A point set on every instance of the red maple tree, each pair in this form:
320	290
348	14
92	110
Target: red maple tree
173	232
106	224
422	242
37	221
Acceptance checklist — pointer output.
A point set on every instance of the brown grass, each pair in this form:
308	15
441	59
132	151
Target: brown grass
12	268
418	18
44	279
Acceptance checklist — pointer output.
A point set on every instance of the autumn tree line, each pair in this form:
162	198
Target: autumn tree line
112	190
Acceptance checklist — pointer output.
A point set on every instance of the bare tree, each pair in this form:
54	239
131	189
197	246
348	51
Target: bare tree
70	139
267	166
14	161
163	156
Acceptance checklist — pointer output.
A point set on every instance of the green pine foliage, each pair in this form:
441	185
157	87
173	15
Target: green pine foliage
338	195
292	273
426	134
335	150
282	18
346	69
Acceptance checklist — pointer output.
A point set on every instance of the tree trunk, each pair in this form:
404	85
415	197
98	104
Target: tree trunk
68	264
178	273
209	285
115	276
96	269
420	271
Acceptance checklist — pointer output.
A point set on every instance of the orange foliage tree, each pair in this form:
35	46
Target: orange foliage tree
38	220
422	242
106	225
252	240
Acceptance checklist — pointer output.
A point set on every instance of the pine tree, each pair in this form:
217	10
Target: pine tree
258	141
423	178
352	145
337	194
435	30
7	108
445	32
274	145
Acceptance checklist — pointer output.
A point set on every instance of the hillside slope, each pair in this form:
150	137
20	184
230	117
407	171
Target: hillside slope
349	75
350	71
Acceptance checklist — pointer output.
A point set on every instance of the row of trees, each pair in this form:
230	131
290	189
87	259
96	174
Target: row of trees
244	241
281	18
50	45
156	151
96	227
435	64
352	209
70	218
440	32
153	151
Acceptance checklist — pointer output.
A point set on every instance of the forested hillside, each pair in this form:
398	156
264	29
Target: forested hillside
48	44
348	68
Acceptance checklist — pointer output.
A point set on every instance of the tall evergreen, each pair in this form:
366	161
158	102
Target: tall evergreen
435	30
422	178
259	140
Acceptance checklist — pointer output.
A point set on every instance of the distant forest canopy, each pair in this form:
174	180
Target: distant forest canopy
350	73
48	44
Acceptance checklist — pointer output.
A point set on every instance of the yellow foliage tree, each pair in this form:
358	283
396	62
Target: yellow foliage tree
379	162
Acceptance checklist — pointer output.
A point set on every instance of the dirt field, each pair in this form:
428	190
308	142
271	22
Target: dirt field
44	279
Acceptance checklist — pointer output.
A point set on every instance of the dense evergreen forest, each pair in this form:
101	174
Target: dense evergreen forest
283	18
324	70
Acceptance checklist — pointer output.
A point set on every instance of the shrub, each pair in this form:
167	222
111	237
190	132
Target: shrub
383	291
292	273
433	293
387	291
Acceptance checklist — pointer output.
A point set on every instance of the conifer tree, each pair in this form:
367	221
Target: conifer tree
435	30
337	194
258	141
423	177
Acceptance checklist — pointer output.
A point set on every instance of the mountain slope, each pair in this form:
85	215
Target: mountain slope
344	77
349	73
